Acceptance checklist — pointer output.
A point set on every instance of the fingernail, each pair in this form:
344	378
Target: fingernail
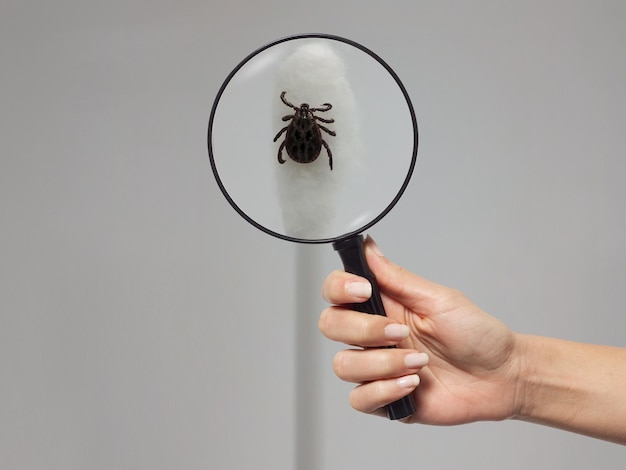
374	246
359	289
408	381
416	360
396	331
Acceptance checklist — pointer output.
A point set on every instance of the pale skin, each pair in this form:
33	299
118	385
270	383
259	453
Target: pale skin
463	365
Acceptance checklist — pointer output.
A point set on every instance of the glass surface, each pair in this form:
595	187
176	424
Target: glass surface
373	150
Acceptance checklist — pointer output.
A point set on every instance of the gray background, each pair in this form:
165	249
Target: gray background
144	325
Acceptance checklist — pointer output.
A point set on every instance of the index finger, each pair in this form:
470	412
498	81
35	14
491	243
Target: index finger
341	287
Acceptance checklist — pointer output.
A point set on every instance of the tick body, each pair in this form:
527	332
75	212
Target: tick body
303	136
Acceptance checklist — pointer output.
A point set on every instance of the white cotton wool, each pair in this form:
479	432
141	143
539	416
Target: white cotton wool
310	193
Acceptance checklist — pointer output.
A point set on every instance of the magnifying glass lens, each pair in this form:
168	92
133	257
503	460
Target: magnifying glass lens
339	165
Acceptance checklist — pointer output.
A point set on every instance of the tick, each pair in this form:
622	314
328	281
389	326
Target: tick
303	139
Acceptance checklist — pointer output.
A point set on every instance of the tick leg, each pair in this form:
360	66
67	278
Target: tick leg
328	121
326	107
288	117
281	160
282	98
327	130
280	133
330	154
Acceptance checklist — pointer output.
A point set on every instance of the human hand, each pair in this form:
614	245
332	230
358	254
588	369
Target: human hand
467	360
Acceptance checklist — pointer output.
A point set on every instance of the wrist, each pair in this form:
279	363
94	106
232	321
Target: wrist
572	386
526	380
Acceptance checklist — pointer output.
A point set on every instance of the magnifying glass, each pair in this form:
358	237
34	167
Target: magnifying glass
313	139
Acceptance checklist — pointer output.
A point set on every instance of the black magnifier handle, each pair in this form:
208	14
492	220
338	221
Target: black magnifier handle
353	257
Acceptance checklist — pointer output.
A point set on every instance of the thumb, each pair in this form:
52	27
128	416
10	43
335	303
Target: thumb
409	289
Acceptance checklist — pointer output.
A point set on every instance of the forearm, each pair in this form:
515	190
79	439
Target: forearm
573	386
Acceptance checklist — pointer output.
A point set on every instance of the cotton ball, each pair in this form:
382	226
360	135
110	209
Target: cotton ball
309	193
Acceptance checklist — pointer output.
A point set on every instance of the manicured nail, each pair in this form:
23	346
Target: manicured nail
396	331
374	246
408	381
362	290
416	360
